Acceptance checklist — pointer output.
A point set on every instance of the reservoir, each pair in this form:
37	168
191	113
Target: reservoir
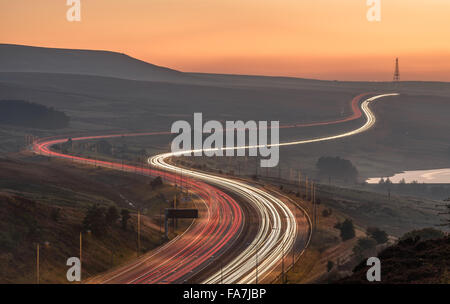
435	176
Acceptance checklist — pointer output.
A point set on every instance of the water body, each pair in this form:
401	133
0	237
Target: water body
435	176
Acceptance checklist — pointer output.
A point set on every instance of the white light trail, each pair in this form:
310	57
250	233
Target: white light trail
277	231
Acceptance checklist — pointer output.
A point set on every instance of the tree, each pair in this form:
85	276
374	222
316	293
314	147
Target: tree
112	215
55	214
337	167
330	266
156	182
423	234
94	220
364	247
31	115
125	217
327	212
378	235
447	213
347	229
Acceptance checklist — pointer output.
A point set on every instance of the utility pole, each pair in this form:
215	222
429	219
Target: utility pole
315	204
139	233
282	264
181	179
81	253
37	264
160	221
293	258
175	207
256	267
306	188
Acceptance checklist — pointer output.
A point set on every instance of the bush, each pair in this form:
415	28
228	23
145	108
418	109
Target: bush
55	214
157	182
330	266
327	212
364	246
347	229
31	115
378	235
337	167
95	220
125	217
423	234
112	215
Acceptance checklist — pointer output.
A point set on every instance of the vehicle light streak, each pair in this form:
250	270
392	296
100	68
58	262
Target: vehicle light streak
275	236
176	260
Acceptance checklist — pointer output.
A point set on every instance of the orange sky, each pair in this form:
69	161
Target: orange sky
326	39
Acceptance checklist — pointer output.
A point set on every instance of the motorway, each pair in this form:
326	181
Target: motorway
220	223
222	220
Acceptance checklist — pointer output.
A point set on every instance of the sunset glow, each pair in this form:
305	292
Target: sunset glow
323	39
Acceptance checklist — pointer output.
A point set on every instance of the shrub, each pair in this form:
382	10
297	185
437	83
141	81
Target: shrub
327	212
423	234
95	220
347	229
125	217
157	182
364	246
330	266
378	235
112	215
32	115
337	167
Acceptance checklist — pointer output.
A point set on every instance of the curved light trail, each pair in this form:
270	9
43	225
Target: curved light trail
278	230
179	258
176	261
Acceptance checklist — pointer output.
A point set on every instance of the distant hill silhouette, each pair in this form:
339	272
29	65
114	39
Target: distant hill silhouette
18	58
30	59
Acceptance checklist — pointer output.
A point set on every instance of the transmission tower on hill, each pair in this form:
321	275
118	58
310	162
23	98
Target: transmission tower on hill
397	71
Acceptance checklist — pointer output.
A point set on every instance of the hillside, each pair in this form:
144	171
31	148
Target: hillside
17	58
409	134
45	201
411	261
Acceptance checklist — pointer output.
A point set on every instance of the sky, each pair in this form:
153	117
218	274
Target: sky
324	39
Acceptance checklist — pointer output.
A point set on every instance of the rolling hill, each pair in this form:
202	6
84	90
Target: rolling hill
18	58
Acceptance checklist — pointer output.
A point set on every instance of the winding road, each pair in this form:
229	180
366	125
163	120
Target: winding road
222	219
